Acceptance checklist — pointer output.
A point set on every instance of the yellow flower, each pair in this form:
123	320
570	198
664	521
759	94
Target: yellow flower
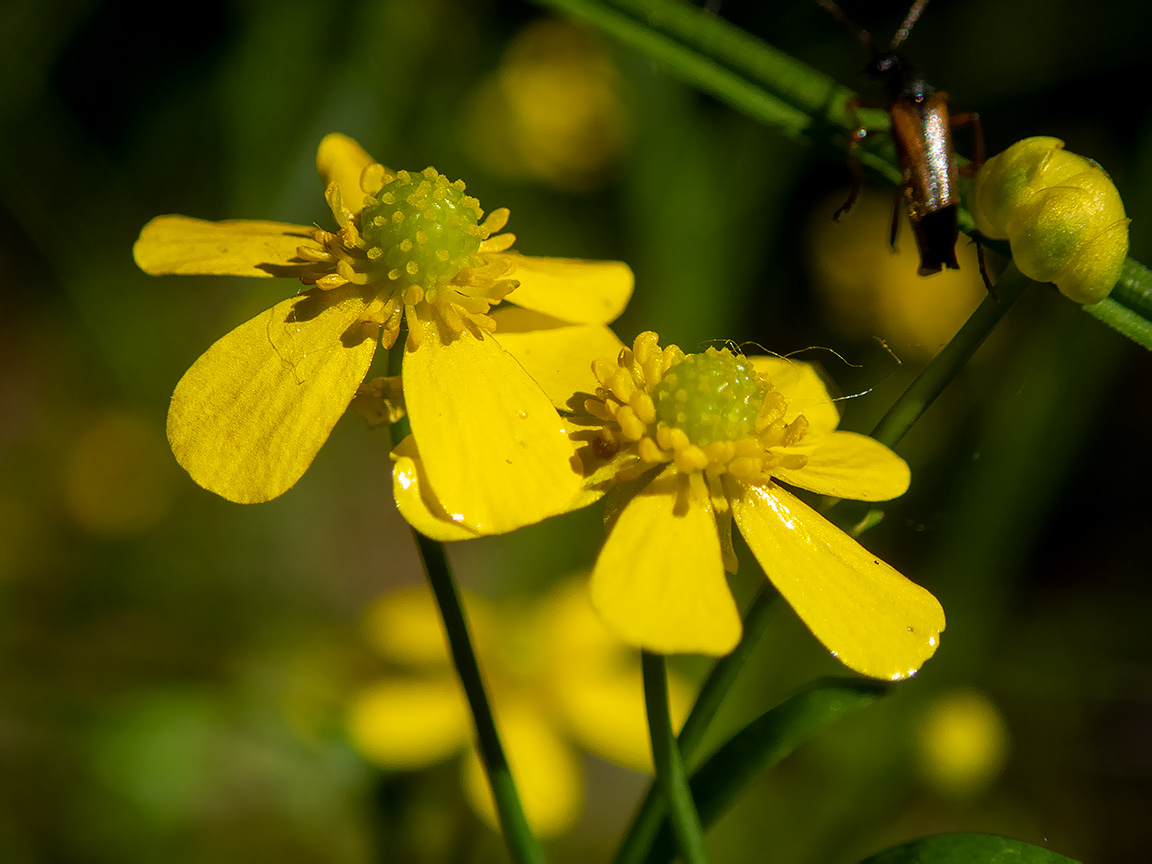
687	442
700	439
249	416
557	679
553	111
864	290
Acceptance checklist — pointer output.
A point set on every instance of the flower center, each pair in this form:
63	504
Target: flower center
421	228
420	247
707	412
714	396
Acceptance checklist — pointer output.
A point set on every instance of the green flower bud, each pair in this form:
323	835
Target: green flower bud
1060	213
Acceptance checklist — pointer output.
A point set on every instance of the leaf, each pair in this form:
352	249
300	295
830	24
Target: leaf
965	848
764	742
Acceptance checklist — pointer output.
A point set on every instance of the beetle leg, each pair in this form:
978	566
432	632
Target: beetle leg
857	176
978	239
857	135
971	118
895	219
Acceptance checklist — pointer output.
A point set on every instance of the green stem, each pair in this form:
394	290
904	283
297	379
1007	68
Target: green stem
522	844
1123	320
670	774
948	363
649	816
763	743
645	27
708	53
1134	289
723	674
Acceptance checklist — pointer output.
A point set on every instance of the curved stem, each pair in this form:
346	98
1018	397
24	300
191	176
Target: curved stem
522	844
948	363
649	816
670	774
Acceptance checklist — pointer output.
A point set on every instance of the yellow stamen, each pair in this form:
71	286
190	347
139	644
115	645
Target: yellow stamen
659	402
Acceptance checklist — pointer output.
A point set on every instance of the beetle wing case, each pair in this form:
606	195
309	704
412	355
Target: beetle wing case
922	133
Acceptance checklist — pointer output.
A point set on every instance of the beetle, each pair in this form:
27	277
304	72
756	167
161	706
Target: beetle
922	133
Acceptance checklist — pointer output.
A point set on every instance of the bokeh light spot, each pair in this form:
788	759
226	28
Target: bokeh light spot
963	742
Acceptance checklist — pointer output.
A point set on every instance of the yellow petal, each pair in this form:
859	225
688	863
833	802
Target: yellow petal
596	688
603	709
559	357
405	628
586	292
575	633
547	773
249	416
426	515
659	581
423	513
236	247
847	465
868	615
341	160
409	723
800	384
600	476
494	450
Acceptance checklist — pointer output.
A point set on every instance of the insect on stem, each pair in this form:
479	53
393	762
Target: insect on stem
921	129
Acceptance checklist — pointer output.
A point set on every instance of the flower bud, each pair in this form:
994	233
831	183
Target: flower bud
1060	213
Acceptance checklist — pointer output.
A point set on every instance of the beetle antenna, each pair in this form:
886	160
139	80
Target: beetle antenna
906	27
863	35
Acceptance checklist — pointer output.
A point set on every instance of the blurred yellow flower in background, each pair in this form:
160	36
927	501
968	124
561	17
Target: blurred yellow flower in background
249	416
552	111
558	683
865	290
962	743
707	438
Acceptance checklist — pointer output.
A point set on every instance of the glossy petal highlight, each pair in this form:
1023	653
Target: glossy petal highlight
848	465
422	513
585	292
867	614
170	245
495	452
659	582
247	419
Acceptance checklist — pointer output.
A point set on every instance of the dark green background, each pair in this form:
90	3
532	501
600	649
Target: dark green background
174	693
